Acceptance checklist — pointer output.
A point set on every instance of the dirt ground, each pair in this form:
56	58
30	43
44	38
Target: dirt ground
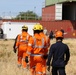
8	59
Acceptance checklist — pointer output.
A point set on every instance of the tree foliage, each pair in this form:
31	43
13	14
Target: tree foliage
29	15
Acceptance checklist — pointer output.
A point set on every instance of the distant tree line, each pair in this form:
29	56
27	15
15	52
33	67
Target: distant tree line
29	15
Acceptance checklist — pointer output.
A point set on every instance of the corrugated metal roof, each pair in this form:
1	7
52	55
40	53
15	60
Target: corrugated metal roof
51	2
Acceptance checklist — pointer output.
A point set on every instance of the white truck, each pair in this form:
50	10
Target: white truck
12	29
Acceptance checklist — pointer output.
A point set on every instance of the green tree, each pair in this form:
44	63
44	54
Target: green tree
29	15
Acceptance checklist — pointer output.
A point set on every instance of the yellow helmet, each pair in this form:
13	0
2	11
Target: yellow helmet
41	27
36	27
25	27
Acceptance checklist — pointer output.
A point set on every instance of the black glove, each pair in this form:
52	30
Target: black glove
26	59
45	56
66	62
14	50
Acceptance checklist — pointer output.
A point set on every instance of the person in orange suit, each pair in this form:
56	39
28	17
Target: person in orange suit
21	44
46	47
36	50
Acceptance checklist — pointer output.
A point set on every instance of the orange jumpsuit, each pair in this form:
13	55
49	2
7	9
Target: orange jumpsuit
36	51
21	45
46	50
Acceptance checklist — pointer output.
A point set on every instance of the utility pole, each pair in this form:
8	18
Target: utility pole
35	11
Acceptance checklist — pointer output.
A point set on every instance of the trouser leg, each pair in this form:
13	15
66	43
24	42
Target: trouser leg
24	63
39	69
62	71
32	71
19	62
44	69
54	71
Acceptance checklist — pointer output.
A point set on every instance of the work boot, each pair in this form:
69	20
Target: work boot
19	65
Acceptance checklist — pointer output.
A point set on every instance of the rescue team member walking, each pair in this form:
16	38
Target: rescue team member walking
21	44
60	53
36	50
47	39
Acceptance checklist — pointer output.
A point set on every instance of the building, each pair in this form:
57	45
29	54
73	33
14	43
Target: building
60	14
59	10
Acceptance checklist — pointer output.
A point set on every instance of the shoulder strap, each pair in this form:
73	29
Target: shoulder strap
26	40
38	46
